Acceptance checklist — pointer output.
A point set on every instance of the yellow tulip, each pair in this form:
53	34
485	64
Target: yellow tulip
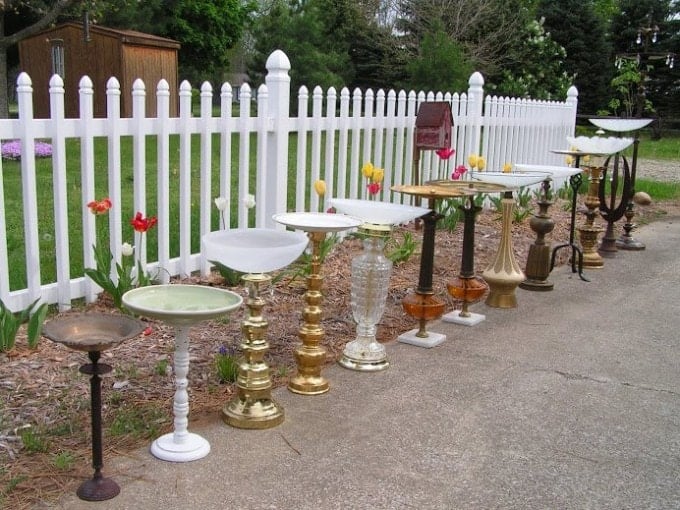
481	163
472	160
378	175
320	187
586	158
569	160
367	170
507	168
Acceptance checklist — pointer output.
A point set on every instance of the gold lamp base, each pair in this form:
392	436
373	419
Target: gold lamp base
253	406
504	273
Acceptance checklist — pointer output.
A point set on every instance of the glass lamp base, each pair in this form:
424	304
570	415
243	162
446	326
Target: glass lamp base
363	365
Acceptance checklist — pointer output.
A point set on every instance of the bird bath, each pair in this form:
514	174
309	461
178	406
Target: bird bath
181	306
254	251
94	333
371	277
504	274
310	357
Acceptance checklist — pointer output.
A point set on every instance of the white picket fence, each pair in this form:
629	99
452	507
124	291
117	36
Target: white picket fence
332	142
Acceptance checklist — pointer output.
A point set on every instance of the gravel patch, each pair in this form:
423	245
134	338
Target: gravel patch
658	170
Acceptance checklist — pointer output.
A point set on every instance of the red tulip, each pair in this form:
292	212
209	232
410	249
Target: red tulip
141	224
100	206
445	152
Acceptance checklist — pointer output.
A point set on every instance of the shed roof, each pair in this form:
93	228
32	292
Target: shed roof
125	36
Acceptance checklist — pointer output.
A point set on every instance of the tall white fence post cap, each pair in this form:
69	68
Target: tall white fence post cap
476	79
278	60
572	91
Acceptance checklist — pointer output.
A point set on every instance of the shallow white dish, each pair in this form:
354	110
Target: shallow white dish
511	179
181	304
378	213
621	125
595	145
254	250
556	172
317	222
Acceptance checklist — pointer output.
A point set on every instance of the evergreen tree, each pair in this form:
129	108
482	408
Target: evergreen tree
575	25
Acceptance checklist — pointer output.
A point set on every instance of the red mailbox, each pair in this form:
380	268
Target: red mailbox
433	125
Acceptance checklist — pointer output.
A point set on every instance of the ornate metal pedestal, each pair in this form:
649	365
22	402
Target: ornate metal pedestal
537	267
626	240
611	212
310	356
589	231
94	333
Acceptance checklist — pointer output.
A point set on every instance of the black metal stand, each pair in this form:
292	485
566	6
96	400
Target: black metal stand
612	212
98	488
575	183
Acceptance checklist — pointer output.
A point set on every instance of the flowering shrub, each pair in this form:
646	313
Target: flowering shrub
101	275
12	150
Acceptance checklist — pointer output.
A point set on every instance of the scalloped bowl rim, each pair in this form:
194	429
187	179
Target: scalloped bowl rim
254	250
599	144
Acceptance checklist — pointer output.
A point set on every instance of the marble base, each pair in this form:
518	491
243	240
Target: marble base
431	340
472	320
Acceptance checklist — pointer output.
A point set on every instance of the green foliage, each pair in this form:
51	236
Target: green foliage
304	266
401	251
452	215
226	365
440	65
137	421
162	366
206	29
232	277
537	69
34	441
659	190
10	322
101	275
64	460
575	25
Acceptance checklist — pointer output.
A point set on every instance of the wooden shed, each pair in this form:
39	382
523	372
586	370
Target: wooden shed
72	51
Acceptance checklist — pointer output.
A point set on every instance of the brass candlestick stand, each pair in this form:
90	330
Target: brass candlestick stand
253	406
589	231
310	356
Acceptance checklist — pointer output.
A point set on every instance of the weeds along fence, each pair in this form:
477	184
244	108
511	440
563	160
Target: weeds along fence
174	167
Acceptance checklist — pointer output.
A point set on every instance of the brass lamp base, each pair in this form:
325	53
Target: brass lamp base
588	236
504	273
253	407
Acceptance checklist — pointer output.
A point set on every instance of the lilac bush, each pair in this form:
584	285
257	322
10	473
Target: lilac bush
12	150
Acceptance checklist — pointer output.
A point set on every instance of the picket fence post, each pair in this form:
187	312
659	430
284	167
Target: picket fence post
278	107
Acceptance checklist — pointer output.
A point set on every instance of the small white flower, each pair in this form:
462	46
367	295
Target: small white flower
249	201
127	249
221	203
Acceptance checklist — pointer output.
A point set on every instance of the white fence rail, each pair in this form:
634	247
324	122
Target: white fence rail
332	142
